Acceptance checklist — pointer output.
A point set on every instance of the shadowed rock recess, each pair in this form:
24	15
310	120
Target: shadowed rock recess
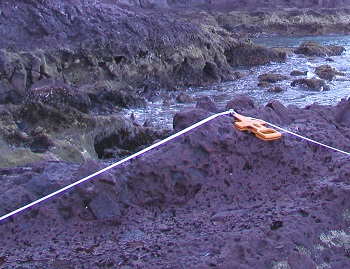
213	198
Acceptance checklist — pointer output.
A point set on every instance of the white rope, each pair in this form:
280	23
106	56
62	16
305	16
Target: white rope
300	136
186	130
308	139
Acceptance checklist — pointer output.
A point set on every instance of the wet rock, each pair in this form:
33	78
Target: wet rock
271	77
56	93
327	72
240	103
249	54
298	73
238	75
184	98
276	89
343	114
186	118
264	84
207	103
315	49
313	84
281	111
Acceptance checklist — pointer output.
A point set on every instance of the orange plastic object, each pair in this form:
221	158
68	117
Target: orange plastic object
258	127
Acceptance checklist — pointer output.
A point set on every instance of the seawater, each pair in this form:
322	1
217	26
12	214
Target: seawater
161	113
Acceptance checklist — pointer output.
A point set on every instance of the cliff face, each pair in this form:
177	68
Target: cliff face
237	4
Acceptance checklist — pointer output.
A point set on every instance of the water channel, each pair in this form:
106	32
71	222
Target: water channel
162	113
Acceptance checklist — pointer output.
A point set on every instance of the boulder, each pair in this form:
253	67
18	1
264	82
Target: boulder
207	103
314	49
296	73
275	89
184	98
240	103
271	77
327	72
313	84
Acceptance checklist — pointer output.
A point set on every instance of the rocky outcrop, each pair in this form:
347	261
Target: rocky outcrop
291	21
248	54
36	131
58	94
214	196
314	49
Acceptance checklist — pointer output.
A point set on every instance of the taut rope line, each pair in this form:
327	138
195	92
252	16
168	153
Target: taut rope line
190	128
300	136
186	130
308	139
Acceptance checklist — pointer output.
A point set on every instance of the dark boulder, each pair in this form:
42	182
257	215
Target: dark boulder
271	77
296	73
58	94
188	117
313	84
207	103
314	49
327	72
275	89
240	103
184	98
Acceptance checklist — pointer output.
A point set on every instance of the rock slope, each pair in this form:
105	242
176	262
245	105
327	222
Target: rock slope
215	197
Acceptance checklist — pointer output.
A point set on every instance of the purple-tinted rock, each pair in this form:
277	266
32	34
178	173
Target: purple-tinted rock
207	103
298	260
240	103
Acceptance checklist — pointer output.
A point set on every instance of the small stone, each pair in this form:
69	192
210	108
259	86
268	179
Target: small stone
276	225
184	98
105	206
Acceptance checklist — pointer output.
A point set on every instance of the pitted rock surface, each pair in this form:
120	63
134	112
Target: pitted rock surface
213	197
